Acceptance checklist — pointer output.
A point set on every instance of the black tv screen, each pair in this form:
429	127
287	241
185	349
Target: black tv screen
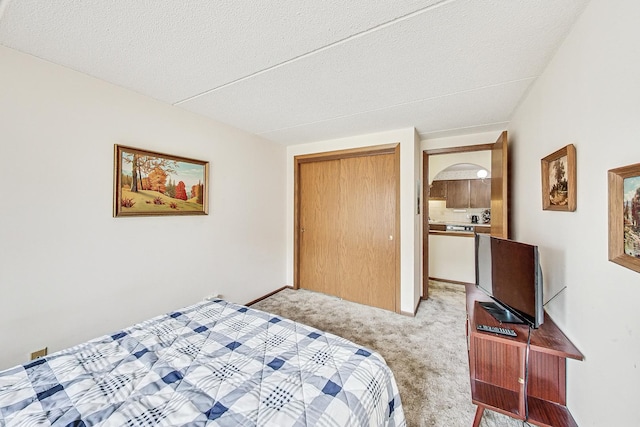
510	273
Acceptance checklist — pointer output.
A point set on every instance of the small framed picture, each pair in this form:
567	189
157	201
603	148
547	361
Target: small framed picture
147	183
624	216
559	180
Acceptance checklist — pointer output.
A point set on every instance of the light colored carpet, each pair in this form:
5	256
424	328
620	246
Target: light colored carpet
427	353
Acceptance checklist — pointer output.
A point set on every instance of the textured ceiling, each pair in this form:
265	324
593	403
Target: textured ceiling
299	71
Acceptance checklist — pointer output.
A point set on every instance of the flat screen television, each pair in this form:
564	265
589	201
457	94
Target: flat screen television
509	272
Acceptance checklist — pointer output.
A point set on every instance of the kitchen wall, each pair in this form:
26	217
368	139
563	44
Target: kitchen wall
438	210
587	96
68	270
440	162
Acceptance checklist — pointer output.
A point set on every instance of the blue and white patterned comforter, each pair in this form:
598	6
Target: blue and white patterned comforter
213	363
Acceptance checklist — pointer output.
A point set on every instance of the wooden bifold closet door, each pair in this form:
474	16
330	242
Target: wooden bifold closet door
347	219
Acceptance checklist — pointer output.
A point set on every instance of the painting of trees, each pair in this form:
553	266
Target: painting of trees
149	183
631	187
171	189
196	192
126	180
624	216
559	180
558	193
181	192
143	166
559	171
157	180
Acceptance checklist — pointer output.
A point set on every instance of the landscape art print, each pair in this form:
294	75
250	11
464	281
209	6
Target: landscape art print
559	180
559	185
631	212
147	183
624	216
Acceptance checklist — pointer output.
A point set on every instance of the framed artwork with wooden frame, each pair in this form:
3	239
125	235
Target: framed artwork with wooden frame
559	180
624	216
147	183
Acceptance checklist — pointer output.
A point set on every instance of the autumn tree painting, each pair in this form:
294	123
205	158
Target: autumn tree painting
149	183
181	193
196	192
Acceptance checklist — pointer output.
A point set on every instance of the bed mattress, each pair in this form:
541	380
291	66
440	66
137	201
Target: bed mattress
213	363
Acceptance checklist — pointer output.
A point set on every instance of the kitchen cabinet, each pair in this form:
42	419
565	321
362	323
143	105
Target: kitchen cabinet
480	193
484	228
438	190
468	193
458	194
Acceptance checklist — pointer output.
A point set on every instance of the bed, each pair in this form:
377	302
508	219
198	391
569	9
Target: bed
213	363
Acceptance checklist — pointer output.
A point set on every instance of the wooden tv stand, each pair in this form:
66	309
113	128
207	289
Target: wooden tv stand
498	370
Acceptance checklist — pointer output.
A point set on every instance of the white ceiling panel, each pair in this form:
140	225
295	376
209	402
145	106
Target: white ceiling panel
174	49
440	115
382	68
297	71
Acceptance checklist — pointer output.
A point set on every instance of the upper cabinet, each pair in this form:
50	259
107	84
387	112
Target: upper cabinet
461	184
480	193
438	190
458	193
462	193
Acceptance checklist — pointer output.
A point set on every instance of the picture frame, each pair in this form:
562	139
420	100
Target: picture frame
148	183
624	216
559	180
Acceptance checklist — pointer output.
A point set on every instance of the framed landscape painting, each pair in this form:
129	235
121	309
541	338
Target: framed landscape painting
559	180
624	216
147	183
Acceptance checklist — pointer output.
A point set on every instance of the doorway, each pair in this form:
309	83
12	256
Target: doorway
499	193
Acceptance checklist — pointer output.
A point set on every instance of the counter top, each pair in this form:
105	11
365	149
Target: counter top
459	223
441	229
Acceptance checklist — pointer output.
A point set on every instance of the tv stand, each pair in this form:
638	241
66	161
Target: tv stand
499	313
500	378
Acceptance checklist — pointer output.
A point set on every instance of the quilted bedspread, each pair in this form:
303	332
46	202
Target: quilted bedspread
213	363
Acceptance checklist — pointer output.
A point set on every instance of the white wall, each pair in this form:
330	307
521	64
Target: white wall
437	163
68	270
417	220
589	96
429	143
409	233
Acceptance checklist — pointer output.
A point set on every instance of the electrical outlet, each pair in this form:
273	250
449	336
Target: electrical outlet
39	353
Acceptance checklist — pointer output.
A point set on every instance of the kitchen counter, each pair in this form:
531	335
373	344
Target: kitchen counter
437	227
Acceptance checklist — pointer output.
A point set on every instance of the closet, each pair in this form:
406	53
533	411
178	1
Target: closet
347	225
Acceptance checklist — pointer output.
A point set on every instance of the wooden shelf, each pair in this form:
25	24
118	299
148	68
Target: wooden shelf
549	414
496	398
498	372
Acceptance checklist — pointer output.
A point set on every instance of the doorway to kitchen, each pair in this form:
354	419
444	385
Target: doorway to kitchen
462	195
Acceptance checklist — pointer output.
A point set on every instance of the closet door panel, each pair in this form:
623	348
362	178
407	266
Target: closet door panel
319	199
366	223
